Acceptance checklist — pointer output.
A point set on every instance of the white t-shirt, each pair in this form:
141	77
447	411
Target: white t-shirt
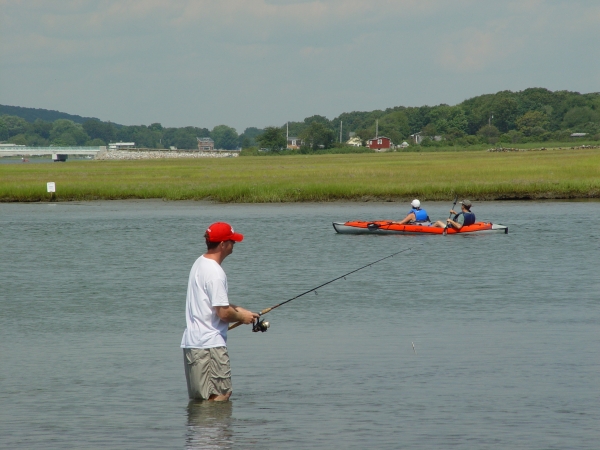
207	288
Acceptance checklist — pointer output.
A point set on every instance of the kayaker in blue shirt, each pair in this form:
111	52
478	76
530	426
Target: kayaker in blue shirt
416	215
461	219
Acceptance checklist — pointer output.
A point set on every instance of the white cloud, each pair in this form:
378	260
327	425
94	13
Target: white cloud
473	50
254	62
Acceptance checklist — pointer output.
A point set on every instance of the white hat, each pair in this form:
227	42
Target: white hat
415	203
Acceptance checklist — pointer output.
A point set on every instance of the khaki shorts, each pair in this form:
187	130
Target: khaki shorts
207	372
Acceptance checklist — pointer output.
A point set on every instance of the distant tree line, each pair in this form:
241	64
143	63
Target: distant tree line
93	132
531	115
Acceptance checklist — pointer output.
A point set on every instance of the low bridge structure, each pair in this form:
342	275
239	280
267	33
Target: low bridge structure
43	151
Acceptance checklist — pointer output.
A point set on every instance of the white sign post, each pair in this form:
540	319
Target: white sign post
51	186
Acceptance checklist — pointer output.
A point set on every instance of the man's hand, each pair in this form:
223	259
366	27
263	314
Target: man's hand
454	224
246	316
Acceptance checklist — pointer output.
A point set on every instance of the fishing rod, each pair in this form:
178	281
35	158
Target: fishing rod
261	325
445	232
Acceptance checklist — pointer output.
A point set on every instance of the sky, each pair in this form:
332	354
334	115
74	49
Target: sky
257	63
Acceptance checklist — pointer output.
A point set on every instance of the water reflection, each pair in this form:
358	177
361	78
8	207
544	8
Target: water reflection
209	425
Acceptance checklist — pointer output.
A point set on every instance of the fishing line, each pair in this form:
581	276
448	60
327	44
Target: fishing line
261	325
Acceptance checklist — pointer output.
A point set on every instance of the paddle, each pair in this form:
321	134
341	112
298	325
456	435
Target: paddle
375	226
453	205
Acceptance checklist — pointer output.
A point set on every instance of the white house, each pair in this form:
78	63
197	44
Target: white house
417	138
354	142
294	143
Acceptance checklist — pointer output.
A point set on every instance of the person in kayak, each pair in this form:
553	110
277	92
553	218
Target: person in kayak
461	219
416	215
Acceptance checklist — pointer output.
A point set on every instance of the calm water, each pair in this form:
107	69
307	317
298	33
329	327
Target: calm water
506	329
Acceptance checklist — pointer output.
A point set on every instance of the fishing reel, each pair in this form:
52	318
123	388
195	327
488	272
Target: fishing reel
260	325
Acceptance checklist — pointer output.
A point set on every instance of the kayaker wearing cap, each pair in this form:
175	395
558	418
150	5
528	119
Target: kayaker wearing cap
415	215
468	218
208	313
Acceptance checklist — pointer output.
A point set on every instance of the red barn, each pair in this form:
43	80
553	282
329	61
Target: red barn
380	143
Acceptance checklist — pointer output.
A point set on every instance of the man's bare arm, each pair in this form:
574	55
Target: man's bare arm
454	224
234	313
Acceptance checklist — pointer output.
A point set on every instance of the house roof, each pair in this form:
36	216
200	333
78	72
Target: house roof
379	137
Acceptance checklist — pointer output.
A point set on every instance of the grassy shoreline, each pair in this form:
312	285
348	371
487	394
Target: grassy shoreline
551	174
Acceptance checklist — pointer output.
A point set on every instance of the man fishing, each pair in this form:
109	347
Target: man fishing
208	313
461	219
415	215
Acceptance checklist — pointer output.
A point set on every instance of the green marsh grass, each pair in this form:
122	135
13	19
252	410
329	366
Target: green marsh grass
384	176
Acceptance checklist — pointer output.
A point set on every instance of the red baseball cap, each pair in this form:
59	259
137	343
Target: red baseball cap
221	231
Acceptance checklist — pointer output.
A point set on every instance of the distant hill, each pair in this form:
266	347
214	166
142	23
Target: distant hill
531	115
31	114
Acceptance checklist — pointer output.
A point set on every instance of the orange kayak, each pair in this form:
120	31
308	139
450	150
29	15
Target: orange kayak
388	227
